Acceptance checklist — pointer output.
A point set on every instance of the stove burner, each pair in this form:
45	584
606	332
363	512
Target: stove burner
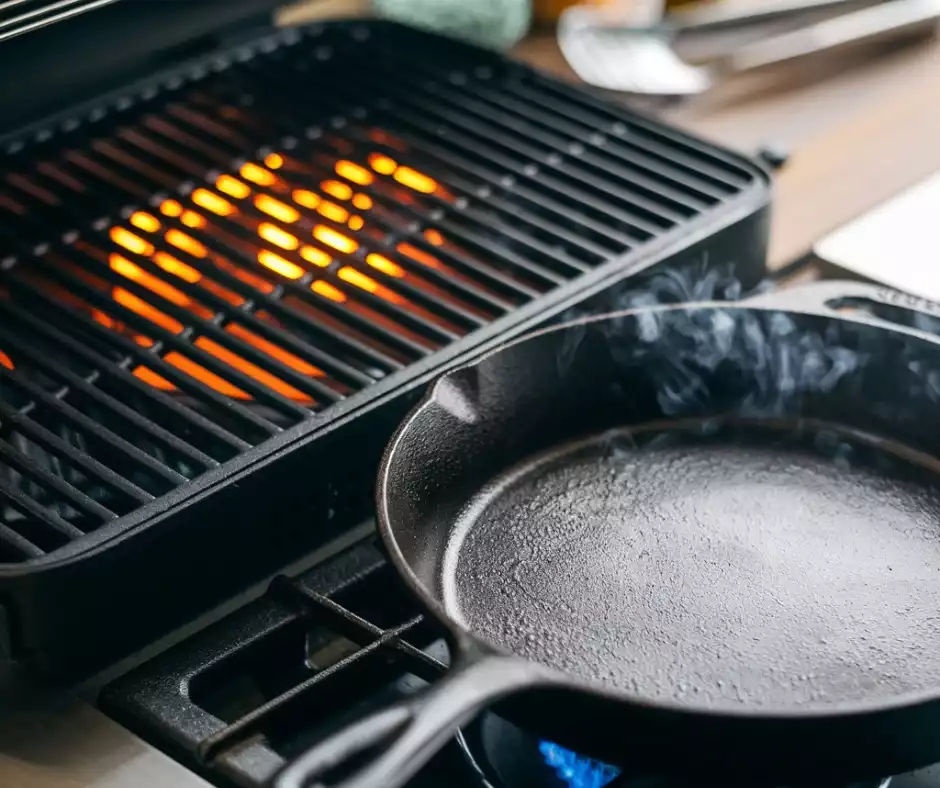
576	770
505	756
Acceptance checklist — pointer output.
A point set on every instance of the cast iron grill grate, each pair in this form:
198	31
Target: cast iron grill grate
212	260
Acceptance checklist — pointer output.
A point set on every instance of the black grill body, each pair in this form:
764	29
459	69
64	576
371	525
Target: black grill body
128	506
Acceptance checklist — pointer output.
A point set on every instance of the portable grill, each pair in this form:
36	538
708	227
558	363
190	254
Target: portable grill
224	283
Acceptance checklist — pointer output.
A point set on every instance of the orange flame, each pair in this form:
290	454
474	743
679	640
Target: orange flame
415	180
170	208
327	290
252	172
176	267
203	375
341	191
419	255
316	256
434	237
353	172
191	219
157	381
331	237
306	198
385	265
276	208
275	351
382	164
368	284
186	243
145	310
333	211
133	243
232	187
277	236
279	265
212	202
244	365
144	221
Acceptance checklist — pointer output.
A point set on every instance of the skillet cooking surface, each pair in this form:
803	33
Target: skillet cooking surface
769	574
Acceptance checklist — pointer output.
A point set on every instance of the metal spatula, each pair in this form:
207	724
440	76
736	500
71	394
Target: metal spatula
641	60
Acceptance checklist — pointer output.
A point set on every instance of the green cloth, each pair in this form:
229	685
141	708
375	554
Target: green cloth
496	24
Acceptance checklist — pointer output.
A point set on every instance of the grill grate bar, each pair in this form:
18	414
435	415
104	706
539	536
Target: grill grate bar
583	108
19	543
167	338
492	184
449	135
408	319
686	190
211	329
492	140
76	383
108	369
560	258
613	138
449	312
432	330
480	171
544	118
489	277
593	253
260	427
53	443
300	288
326	92
18	499
272	304
280	288
54	483
70	415
526	126
583	245
470	281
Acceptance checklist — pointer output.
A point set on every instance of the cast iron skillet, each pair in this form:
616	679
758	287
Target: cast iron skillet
703	537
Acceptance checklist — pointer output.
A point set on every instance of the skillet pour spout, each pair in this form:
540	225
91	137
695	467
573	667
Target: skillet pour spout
699	537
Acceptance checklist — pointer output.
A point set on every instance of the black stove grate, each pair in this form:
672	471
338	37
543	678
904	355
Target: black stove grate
239	700
222	256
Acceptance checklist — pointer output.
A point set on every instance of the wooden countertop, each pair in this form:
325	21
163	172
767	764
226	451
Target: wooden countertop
857	131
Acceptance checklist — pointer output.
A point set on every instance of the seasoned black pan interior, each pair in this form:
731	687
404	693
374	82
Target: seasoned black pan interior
766	555
787	566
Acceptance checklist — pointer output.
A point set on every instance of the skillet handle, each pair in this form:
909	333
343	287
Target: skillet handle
410	733
858	300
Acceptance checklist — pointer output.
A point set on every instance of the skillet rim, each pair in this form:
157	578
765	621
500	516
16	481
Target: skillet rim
469	647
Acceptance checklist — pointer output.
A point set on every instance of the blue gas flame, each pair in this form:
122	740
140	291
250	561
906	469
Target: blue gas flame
575	770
